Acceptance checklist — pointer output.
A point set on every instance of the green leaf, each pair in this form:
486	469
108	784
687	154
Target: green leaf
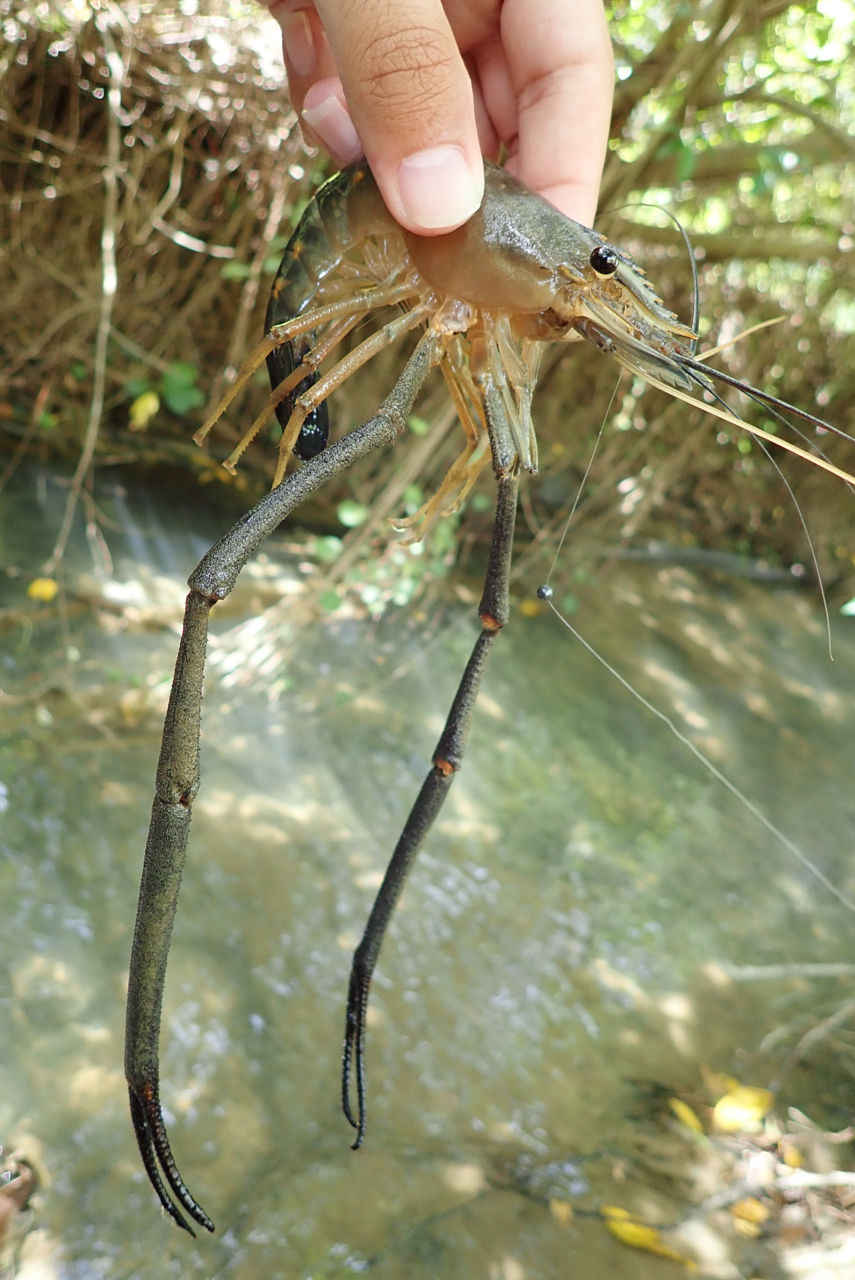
686	161
403	591
413	497
444	538
327	549
418	426
351	513
179	390
236	270
330	601
180	374
137	387
668	146
180	400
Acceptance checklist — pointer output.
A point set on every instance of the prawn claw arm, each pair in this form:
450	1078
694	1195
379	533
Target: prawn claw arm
421	819
493	611
178	771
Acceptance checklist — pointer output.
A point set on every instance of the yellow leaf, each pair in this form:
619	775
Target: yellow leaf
143	410
632	1231
791	1156
750	1229
742	1109
562	1211
750	1209
530	608
685	1115
718	1083
42	589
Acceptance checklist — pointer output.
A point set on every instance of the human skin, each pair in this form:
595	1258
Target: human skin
424	88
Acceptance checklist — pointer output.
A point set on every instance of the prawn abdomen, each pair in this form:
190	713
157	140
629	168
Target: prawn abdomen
346	211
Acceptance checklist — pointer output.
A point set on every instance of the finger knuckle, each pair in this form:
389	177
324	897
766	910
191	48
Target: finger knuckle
406	71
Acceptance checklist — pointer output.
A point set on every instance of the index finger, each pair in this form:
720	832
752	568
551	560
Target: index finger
561	64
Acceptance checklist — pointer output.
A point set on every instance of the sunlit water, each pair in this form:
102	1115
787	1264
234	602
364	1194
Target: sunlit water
559	958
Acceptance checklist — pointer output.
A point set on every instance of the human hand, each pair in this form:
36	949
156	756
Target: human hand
432	84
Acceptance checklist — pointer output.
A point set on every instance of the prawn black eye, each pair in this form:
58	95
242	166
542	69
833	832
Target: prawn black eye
604	260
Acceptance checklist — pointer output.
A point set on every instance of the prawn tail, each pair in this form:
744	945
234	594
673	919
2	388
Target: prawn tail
281	363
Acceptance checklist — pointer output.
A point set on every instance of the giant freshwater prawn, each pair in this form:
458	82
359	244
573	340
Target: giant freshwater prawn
489	296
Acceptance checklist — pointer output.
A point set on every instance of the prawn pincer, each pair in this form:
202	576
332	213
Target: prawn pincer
489	296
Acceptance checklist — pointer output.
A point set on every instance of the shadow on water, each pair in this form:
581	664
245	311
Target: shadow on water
563	954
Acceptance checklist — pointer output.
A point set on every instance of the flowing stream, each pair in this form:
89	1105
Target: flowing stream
571	948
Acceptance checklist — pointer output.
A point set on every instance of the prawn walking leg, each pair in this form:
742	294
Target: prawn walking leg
493	611
178	775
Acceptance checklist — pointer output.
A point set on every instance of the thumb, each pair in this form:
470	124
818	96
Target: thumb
411	102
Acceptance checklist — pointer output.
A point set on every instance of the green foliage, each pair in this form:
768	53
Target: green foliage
329	601
351	513
326	549
176	387
179	390
413	497
752	119
236	270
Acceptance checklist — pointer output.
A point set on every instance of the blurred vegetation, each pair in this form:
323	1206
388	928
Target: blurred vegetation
160	141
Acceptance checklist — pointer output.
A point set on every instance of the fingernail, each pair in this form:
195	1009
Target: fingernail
331	121
297	40
438	188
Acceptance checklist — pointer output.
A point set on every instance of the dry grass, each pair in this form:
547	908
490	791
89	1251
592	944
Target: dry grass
210	174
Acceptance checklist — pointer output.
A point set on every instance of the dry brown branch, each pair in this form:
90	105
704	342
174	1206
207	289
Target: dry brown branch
717	165
39	405
249	293
109	285
842	142
822	1030
773	972
763	243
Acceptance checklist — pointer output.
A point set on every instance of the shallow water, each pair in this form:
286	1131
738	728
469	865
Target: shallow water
559	960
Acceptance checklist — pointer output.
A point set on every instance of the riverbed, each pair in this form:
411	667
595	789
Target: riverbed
572	948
